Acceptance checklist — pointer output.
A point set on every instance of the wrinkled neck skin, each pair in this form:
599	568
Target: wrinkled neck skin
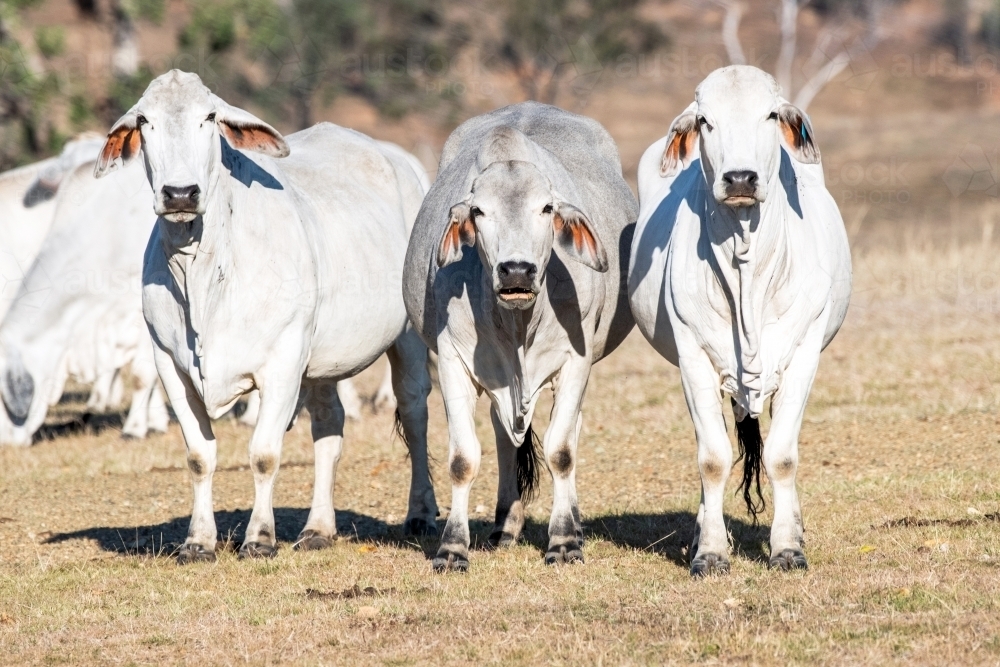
750	250
514	332
190	245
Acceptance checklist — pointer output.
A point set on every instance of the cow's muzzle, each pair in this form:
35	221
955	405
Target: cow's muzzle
515	286
180	203
740	188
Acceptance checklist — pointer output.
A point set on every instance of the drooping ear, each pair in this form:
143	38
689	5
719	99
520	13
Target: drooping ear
461	231
797	133
246	132
575	234
681	142
121	146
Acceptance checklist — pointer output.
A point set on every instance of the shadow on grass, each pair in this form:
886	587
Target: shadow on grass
163	539
86	423
667	534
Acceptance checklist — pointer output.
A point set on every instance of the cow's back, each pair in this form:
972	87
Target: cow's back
589	155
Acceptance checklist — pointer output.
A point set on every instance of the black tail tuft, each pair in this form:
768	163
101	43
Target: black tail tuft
399	432
751	448
527	467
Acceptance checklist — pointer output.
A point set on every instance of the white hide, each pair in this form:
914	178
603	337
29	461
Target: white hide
742	298
281	275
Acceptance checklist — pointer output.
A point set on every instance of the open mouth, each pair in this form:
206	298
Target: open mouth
514	294
739	201
180	216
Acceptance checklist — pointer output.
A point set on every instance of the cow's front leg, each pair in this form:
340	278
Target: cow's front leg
510	507
327	415
411	383
781	451
710	545
464	454
560	445
278	403
201	457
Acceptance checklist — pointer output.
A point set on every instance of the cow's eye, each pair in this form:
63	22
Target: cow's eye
547	208
211	117
704	123
773	116
474	212
140	120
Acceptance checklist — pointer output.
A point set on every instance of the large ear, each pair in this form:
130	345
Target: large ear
681	141
575	234
123	144
246	132
796	130
461	231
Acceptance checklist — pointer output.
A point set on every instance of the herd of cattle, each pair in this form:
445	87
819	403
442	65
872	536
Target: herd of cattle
277	268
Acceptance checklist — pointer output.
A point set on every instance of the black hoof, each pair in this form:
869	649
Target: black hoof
257	550
789	559
708	564
500	539
129	436
567	552
310	540
450	561
194	553
420	527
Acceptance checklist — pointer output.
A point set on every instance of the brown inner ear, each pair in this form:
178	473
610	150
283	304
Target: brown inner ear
124	142
458	232
792	126
577	232
249	137
679	147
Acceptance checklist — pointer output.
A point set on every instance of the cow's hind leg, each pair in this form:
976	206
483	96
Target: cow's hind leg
710	545
464	455
781	452
327	416
411	384
510	506
278	404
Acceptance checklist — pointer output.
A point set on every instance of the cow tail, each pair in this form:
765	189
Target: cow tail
751	448
400	432
528	466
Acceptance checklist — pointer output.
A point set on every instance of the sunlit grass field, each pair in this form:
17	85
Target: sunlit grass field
899	480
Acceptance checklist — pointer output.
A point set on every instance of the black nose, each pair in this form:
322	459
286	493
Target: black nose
740	183
519	275
181	198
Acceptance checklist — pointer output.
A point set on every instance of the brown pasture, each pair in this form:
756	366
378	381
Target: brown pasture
899	483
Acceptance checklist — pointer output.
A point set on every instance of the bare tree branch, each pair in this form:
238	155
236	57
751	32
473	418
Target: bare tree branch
818	81
786	56
730	30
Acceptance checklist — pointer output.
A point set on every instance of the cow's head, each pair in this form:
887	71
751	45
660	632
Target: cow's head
176	124
513	216
738	123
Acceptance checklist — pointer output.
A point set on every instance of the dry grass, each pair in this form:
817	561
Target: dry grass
902	425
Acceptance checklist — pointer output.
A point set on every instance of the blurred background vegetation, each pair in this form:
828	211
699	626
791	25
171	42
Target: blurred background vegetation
905	94
289	58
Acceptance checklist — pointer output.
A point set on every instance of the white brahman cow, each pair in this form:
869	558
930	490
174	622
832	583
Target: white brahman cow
78	311
27	207
538	297
275	264
740	275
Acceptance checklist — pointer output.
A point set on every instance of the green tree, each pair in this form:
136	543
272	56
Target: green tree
289	55
546	42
